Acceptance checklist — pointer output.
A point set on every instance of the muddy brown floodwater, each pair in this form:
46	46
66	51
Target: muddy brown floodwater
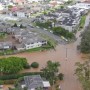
70	81
67	66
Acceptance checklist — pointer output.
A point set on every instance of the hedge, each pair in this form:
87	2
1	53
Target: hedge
16	76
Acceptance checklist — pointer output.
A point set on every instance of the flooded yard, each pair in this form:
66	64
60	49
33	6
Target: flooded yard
60	54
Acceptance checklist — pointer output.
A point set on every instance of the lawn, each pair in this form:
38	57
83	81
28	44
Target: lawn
82	21
6	52
2	35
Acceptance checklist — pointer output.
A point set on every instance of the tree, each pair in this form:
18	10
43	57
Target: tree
50	71
35	65
39	88
15	25
83	73
62	32
85	41
21	26
62	7
12	65
10	6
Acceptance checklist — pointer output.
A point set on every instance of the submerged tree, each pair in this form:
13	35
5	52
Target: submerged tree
83	73
50	71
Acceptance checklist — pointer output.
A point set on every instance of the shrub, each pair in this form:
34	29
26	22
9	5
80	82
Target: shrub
16	76
12	65
1	82
27	66
60	76
9	81
34	65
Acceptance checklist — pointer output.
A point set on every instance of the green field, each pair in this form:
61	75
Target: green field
2	35
82	21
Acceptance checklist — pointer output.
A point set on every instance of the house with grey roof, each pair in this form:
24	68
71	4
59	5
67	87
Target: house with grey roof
33	82
6	45
28	39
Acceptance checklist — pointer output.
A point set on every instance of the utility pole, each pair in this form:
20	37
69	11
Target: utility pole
66	53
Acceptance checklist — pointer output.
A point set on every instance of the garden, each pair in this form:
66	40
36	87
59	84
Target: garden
3	35
10	70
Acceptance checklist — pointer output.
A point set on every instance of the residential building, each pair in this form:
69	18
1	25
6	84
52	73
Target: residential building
6	45
33	82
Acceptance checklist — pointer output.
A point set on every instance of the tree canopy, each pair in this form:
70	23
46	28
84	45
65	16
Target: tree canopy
83	73
12	65
62	32
85	41
50	71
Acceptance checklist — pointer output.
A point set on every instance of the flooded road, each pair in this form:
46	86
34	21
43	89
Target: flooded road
70	81
67	66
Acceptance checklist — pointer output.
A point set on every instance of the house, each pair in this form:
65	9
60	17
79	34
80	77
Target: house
34	42
27	39
6	45
33	82
20	47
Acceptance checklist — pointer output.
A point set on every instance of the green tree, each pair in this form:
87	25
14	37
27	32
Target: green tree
50	71
39	88
21	26
10	6
83	73
35	65
12	65
62	32
15	25
62	7
85	41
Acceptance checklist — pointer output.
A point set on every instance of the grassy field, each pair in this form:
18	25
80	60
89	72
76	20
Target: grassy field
2	35
82	21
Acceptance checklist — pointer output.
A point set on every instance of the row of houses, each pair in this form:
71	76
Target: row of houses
24	39
67	18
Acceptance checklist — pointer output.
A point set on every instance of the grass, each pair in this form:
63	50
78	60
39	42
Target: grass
50	40
82	21
7	52
2	35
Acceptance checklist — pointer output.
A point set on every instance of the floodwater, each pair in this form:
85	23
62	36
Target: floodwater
70	81
67	67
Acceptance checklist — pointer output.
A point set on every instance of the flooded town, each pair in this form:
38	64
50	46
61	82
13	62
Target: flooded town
44	45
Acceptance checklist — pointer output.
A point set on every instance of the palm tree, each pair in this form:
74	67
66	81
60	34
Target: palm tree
50	71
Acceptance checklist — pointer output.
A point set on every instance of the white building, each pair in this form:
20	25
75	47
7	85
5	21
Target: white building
81	6
34	1
34	43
